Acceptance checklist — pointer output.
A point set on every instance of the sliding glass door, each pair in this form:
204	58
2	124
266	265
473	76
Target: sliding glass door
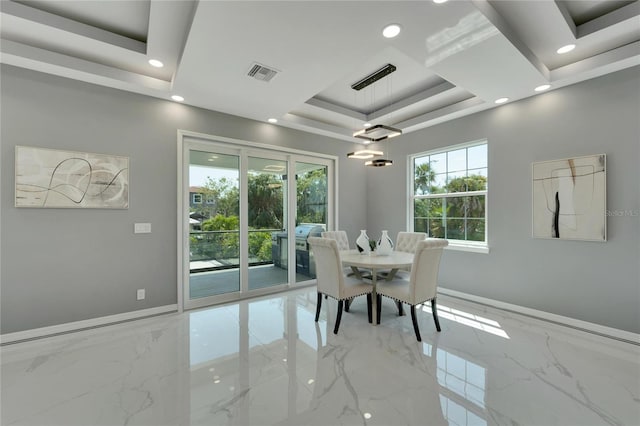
245	221
311	213
214	224
267	228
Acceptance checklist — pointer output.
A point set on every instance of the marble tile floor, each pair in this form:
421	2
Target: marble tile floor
265	361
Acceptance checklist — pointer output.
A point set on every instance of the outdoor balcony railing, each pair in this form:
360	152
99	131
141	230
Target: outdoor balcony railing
214	250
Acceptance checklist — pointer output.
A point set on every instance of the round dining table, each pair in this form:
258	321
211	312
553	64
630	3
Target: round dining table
393	262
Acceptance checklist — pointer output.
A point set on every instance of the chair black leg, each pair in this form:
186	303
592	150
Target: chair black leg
400	311
435	313
346	305
369	312
318	306
378	307
415	323
338	317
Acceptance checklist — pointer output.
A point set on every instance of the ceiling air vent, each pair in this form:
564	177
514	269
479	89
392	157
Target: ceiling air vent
261	72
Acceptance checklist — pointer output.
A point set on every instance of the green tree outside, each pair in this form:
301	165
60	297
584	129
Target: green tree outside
265	194
465	215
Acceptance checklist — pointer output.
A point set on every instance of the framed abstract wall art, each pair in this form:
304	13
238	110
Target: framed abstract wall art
49	178
569	198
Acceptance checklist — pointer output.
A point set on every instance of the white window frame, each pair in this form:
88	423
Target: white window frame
196	198
462	245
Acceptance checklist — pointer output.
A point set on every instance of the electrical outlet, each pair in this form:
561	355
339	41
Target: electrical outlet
141	294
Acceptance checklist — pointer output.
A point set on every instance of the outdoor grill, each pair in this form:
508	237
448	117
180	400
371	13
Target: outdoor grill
304	264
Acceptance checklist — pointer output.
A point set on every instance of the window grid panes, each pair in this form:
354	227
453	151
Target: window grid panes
449	193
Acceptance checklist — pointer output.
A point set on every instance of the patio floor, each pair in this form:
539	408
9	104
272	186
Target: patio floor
211	283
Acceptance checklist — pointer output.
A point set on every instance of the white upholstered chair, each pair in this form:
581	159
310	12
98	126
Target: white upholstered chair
421	284
408	241
340	237
332	281
343	244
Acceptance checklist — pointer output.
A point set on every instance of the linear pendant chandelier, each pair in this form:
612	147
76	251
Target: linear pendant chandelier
376	133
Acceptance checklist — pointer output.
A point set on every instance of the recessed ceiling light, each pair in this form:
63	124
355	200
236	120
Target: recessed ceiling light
542	88
501	100
439	1
565	49
177	98
272	120
391	30
156	63
366	125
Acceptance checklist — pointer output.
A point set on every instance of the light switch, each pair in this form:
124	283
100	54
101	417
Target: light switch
141	228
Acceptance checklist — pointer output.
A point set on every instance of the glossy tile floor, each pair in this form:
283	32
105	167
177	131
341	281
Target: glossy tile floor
266	362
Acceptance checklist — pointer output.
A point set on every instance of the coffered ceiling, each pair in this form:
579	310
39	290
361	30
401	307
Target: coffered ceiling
452	59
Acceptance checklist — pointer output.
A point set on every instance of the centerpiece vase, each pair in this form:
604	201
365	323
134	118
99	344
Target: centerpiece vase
385	245
362	242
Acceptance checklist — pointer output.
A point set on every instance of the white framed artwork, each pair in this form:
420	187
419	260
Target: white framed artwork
569	198
50	178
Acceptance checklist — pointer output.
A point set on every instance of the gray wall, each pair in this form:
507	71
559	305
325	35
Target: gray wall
595	282
63	265
59	266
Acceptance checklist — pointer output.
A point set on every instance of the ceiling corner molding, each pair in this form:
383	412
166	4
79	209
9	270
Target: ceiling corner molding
322	104
314	126
433	92
459	109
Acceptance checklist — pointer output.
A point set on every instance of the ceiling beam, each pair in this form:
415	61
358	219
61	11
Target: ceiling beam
17	10
505	29
595	66
45	61
615	17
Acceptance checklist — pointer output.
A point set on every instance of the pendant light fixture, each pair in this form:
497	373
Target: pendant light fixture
379	162
378	132
364	154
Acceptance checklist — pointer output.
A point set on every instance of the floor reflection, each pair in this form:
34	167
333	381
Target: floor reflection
462	387
265	361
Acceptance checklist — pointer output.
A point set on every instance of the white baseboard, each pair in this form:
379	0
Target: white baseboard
84	324
590	327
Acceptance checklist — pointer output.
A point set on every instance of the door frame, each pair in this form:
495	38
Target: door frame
192	140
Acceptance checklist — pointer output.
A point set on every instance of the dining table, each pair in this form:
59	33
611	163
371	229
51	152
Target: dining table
375	263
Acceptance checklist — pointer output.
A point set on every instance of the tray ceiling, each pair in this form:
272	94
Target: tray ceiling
452	59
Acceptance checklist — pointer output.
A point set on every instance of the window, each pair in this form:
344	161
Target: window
197	198
449	193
